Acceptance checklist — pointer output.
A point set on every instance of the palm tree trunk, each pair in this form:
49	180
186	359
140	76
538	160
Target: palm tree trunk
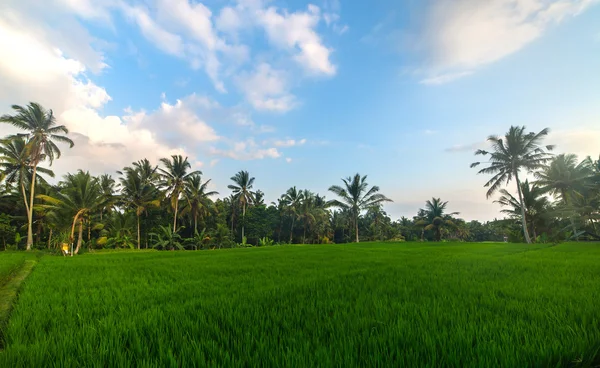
175	216
50	238
304	234
356	226
30	213
567	202
25	199
523	219
195	224
292	229
138	231
80	236
243	220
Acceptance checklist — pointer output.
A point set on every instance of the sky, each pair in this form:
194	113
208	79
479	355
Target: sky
306	93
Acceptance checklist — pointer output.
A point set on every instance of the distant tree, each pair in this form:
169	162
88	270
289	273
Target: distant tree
510	154
535	202
197	196
16	166
435	217
292	198
565	179
174	177
356	196
42	133
138	192
242	192
79	195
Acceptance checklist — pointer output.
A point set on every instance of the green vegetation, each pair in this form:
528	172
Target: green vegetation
373	304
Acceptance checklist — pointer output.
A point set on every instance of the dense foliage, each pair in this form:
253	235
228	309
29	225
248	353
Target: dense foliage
171	206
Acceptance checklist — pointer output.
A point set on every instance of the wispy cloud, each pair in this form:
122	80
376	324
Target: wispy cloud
459	37
466	147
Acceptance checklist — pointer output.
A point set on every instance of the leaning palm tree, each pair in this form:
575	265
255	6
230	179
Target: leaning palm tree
174	176
435	217
42	133
138	193
78	196
566	179
197	196
242	192
356	197
15	163
510	154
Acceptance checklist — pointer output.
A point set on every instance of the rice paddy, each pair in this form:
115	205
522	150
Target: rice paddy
372	304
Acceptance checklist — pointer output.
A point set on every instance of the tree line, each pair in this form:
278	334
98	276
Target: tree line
169	205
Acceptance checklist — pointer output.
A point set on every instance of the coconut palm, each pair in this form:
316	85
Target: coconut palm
510	154
293	198
107	187
356	196
138	193
15	163
435	218
565	179
42	133
79	195
535	202
242	192
197	197
174	176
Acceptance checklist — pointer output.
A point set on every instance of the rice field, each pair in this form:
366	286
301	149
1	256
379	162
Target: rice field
406	304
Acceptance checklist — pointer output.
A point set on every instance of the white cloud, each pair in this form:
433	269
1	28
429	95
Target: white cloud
461	36
445	78
296	33
166	41
246	150
289	143
288	160
583	141
266	89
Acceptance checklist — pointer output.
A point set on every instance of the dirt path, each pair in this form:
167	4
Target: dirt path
9	292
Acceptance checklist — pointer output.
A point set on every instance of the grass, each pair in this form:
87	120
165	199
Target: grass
409	304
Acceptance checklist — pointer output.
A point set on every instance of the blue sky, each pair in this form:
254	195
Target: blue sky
305	93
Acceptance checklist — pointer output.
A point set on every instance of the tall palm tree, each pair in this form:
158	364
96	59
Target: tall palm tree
198	200
293	198
78	197
565	178
356	196
174	176
42	133
307	211
435	217
15	163
510	154
138	193
535	202
242	191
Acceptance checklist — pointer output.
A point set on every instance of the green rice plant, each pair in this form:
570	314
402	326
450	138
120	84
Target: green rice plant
360	305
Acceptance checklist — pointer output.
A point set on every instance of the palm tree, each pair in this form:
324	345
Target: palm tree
242	191
307	211
356	197
510	154
138	193
534	199
42	133
174	176
78	197
434	217
565	178
15	163
293	198
197	198
107	187
167	239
